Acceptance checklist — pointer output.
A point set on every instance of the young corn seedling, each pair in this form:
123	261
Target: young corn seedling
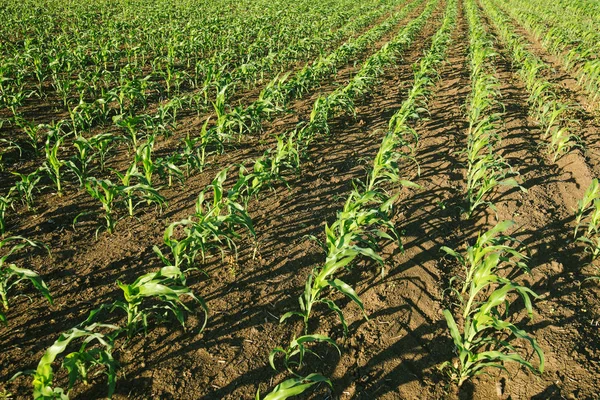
224	121
143	157
26	185
5	203
167	169
8	146
294	387
294	354
80	163
483	340
364	219
197	148
269	168
168	286
107	193
483	177
126	179
214	225
102	143
143	191
11	275
79	364
587	216
130	125
32	131
53	165
385	164
294	359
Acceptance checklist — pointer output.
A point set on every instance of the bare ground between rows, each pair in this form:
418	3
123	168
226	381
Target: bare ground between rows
245	296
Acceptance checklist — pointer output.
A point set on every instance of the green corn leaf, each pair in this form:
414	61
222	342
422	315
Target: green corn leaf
294	387
347	291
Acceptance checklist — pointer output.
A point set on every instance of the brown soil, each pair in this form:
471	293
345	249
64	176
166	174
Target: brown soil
393	355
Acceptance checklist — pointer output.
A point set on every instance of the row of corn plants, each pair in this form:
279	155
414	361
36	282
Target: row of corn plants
545	104
364	220
137	128
572	44
171	55
85	113
479	320
192	156
486	169
282	89
342	100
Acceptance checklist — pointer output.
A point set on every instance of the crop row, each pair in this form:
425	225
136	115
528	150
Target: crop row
576	48
364	220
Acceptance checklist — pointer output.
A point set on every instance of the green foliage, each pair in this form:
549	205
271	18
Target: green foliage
168	285
79	363
484	339
11	275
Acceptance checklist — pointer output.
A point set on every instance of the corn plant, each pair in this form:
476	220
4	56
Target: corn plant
168	285
587	216
32	131
386	163
167	169
102	143
11	275
214	225
79	364
53	164
197	148
80	163
129	124
486	173
294	387
8	145
484	339
26	185
145	193
5	203
141	190
143	157
298	348
270	167
107	193
364	219
293	359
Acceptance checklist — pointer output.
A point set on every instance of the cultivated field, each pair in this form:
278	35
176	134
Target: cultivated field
251	199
